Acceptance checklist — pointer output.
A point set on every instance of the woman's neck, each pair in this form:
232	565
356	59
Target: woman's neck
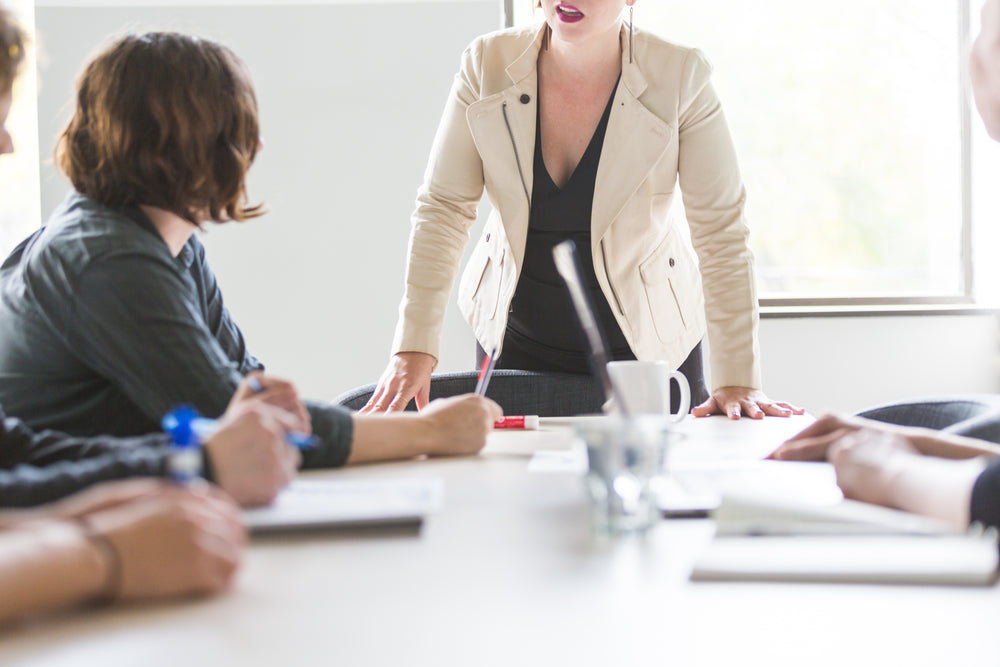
174	230
594	59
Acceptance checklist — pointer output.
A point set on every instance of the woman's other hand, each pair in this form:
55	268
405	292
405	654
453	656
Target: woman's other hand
735	402
407	376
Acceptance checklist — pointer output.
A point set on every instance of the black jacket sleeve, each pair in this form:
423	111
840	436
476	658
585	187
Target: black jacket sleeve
37	468
986	497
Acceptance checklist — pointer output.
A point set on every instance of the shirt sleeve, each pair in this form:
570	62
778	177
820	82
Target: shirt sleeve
334	426
37	468
445	211
985	507
714	203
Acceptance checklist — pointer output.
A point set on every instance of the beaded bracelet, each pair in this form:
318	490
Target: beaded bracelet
112	561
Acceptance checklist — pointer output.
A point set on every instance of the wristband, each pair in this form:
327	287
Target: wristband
112	563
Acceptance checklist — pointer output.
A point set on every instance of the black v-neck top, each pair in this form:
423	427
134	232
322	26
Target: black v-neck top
543	332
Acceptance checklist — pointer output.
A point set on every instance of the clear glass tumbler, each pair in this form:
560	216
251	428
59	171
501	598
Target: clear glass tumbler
625	456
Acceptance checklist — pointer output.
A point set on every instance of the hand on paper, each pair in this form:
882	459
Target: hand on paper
868	462
460	424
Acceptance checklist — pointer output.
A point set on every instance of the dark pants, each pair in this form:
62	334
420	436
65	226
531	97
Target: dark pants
692	369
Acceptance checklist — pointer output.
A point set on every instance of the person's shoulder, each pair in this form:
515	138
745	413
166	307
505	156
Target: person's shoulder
659	51
504	45
82	231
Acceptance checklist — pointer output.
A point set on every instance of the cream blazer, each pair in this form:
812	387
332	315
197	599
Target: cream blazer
666	129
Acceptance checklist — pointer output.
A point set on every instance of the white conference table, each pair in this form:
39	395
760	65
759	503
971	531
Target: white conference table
509	574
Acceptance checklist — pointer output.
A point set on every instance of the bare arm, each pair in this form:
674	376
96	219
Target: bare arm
813	443
47	566
886	469
447	427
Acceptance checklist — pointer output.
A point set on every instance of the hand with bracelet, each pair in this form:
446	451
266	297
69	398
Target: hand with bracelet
134	540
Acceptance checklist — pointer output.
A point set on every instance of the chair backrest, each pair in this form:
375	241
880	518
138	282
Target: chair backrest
970	415
517	392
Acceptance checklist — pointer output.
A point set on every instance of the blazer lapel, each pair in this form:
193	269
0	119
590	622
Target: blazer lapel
634	141
503	127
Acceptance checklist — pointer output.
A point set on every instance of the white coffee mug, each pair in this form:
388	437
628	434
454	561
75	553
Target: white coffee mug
645	387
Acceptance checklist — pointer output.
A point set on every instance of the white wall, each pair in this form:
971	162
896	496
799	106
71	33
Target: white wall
849	363
350	95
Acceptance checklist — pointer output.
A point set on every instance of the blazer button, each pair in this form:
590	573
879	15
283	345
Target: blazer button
487	237
525	98
671	262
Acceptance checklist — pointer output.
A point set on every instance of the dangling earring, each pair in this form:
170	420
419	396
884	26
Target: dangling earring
545	37
631	8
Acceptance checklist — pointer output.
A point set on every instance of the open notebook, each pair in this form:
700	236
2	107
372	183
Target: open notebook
312	504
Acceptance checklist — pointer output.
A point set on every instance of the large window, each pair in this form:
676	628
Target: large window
853	134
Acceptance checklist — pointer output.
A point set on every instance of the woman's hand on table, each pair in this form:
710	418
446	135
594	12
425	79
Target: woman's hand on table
735	402
407	376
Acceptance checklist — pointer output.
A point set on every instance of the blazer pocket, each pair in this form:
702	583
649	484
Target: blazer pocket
660	282
481	283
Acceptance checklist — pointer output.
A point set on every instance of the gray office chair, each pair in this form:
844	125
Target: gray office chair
971	415
517	392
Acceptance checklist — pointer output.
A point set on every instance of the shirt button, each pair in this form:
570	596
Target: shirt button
525	98
671	262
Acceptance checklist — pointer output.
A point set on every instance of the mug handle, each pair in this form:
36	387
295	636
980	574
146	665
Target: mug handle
685	405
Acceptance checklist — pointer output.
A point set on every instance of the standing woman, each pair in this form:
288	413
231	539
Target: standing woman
580	129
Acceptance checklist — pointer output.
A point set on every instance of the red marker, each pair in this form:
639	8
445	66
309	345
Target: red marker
524	422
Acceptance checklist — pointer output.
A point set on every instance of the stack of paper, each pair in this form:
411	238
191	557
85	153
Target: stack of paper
847	542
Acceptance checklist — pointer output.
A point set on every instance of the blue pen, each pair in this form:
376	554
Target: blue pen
184	461
300	440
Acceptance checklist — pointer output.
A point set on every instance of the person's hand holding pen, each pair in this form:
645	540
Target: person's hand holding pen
274	391
250	452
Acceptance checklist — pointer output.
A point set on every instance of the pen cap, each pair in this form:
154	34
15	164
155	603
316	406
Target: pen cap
184	462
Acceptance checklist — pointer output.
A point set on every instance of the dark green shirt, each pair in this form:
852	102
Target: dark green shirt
103	331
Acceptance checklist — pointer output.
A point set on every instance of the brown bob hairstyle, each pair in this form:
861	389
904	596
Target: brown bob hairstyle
11	50
164	120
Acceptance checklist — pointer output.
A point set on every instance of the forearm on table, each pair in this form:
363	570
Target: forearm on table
47	566
395	435
949	446
937	488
